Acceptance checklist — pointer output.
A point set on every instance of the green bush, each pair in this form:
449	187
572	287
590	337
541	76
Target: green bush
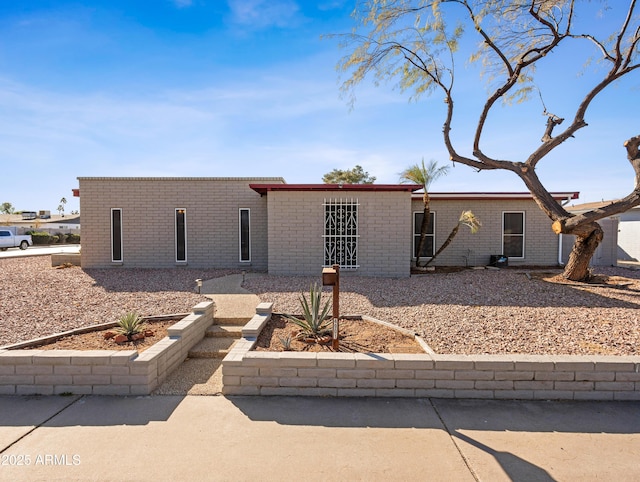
40	237
61	238
73	238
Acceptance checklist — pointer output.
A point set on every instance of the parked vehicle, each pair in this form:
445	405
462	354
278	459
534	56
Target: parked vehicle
9	239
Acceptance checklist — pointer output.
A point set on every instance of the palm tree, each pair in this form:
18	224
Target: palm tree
423	175
467	218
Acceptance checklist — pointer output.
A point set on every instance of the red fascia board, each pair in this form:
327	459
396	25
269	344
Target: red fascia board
494	196
263	189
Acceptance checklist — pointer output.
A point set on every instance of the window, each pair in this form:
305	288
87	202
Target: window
513	234
116	235
245	235
341	233
429	240
181	235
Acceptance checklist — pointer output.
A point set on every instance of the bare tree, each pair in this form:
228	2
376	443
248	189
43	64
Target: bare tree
412	41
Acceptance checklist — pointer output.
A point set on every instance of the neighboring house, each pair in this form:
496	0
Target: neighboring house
54	224
296	229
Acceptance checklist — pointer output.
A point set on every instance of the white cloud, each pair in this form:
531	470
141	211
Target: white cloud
260	14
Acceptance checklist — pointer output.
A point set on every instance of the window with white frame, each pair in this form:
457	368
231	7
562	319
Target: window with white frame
513	234
430	237
245	234
181	235
116	235
341	233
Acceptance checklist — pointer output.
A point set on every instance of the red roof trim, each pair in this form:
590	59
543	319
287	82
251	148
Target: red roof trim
76	192
263	189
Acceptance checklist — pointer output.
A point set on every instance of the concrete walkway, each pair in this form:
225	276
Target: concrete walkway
256	438
203	376
40	250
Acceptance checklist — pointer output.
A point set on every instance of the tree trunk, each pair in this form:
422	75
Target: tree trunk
423	233
446	243
577	268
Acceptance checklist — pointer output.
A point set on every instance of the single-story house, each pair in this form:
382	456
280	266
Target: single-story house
296	229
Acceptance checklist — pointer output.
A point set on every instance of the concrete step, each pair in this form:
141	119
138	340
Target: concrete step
231	320
212	348
224	331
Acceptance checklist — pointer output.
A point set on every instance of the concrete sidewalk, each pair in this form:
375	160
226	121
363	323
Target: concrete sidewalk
257	438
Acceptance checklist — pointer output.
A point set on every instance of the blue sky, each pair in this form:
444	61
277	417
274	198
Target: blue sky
249	88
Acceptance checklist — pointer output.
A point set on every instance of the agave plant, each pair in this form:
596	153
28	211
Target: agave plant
315	322
130	324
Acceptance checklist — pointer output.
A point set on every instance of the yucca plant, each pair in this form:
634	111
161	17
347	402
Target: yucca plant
286	341
315	322
130	324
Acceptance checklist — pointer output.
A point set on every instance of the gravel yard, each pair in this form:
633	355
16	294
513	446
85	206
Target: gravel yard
38	300
487	312
468	312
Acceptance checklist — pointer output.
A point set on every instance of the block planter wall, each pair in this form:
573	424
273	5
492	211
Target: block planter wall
103	372
524	377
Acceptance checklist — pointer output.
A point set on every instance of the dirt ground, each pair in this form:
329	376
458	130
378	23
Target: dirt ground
95	340
358	335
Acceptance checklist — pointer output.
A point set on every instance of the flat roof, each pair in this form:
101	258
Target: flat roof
263	189
559	196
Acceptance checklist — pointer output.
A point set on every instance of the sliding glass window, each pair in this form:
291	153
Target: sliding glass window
245	235
181	235
116	235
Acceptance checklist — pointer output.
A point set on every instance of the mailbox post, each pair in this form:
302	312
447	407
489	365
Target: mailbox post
331	277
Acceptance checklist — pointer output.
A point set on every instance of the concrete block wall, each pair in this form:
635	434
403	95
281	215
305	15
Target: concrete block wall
296	226
541	243
103	372
524	377
58	259
148	218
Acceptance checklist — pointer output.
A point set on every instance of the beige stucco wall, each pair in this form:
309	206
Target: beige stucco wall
296	222
148	217
541	243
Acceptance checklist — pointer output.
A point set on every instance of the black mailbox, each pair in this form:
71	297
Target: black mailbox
329	277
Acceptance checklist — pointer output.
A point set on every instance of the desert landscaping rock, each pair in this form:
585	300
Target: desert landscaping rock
38	300
466	312
487	312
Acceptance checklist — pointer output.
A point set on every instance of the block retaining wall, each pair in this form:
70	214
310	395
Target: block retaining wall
58	259
523	377
103	372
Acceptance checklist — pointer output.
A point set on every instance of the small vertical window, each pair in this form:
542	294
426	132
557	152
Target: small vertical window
181	235
245	235
513	234
429	240
116	235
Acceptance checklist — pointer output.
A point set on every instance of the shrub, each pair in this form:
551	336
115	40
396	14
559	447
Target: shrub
61	237
73	238
40	237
